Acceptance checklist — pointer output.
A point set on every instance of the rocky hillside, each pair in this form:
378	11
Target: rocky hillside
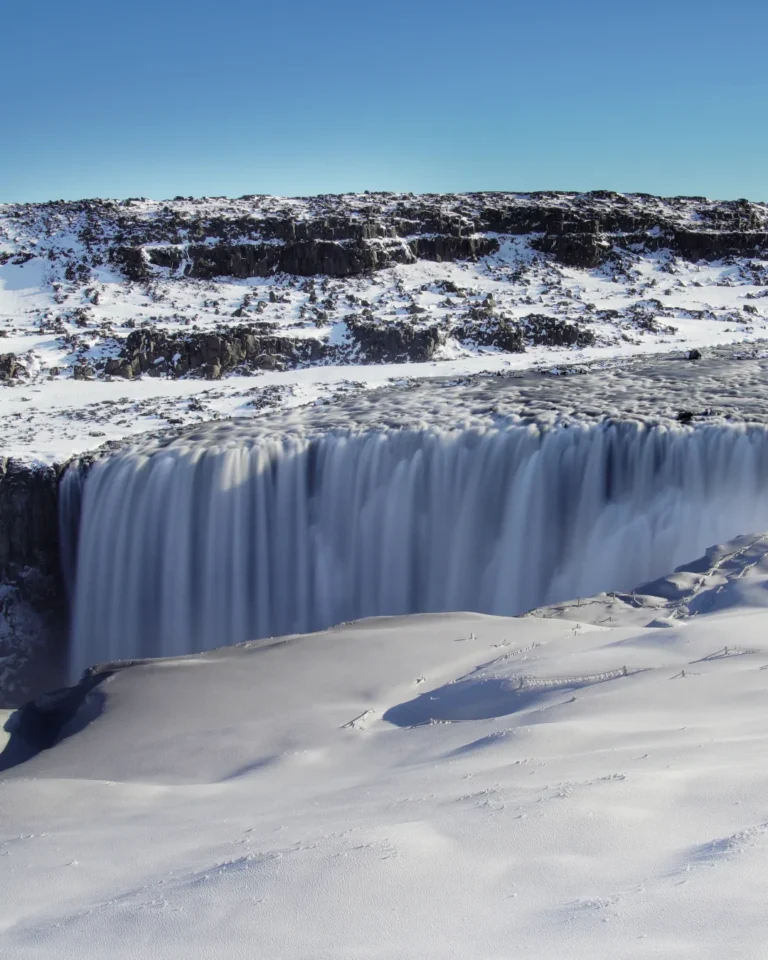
137	287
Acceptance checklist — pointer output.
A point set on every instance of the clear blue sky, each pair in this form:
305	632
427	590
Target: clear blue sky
126	98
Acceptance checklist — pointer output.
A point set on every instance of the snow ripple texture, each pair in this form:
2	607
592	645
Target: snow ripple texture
190	546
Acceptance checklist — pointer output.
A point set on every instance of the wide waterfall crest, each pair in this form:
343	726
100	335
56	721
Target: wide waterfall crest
191	546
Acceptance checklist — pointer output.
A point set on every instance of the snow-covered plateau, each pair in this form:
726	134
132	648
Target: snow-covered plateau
259	456
586	781
119	317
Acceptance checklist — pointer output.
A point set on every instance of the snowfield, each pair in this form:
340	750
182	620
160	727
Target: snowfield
586	781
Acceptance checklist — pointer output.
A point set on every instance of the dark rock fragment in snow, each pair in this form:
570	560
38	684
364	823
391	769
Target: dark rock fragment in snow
10	368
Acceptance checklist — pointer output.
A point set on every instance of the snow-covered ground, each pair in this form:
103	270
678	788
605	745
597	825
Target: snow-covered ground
66	307
588	781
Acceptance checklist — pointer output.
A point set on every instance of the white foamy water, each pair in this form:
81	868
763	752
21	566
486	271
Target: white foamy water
191	546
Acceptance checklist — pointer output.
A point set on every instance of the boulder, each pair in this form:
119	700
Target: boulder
10	368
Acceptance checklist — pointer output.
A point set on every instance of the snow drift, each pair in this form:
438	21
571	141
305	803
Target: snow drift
189	546
578	784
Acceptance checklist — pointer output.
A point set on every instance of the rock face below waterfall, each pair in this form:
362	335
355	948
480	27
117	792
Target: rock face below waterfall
28	518
32	606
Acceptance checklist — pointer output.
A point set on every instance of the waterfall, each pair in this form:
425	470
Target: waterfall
192	546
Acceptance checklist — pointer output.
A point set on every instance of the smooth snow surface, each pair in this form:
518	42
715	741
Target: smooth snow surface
575	785
193	545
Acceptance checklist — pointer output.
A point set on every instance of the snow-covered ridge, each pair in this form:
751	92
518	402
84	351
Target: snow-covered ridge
147	221
113	313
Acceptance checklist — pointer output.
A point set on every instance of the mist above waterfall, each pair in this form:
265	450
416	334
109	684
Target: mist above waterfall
191	547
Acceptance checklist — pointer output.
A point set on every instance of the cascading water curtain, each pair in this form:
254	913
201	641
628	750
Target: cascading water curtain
190	546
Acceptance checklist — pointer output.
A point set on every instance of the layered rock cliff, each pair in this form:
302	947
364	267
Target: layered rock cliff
309	251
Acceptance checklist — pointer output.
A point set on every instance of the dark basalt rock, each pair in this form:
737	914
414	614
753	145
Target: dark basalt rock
586	250
306	258
695	245
28	518
512	336
447	248
575	250
251	347
345	235
491	331
313	258
131	261
542	330
31	573
393	342
83	371
157	353
10	368
40	724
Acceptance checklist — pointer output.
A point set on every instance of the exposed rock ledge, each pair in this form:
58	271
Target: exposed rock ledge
306	258
32	603
256	346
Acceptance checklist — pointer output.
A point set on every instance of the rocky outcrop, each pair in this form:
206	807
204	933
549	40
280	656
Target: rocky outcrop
304	258
344	236
132	262
377	342
38	724
575	250
157	353
487	329
698	245
28	518
10	368
248	347
443	247
542	330
491	331
368	340
349	234
32	600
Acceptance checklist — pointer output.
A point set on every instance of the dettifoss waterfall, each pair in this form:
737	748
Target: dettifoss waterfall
192	545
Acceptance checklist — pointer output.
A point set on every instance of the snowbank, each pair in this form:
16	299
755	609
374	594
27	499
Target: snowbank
577	783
